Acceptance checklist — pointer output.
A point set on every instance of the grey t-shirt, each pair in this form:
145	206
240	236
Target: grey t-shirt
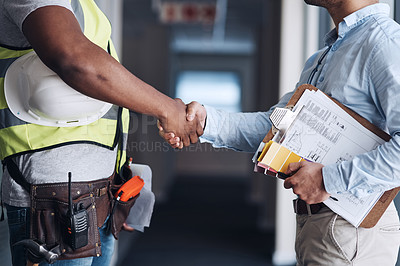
85	161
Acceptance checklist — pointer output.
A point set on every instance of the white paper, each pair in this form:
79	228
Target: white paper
140	214
324	133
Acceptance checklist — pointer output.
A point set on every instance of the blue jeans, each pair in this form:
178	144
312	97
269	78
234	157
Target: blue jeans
18	223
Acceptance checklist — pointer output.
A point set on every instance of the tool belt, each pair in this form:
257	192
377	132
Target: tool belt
49	218
49	225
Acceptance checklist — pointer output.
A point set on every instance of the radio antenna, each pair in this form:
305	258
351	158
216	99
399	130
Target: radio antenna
70	194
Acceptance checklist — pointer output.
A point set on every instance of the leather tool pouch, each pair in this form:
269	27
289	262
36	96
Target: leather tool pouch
119	209
49	207
49	219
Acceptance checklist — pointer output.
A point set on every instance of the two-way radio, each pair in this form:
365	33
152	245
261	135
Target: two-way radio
78	226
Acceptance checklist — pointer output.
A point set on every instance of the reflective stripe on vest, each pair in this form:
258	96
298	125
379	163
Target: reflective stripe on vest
19	137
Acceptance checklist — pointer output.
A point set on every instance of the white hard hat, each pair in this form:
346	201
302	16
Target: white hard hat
36	94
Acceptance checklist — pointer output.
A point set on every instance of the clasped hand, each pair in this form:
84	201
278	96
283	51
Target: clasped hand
184	126
306	181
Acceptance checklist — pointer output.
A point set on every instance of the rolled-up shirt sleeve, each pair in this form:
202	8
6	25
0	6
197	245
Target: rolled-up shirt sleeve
238	131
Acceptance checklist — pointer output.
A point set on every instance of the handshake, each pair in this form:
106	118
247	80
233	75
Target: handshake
183	126
305	178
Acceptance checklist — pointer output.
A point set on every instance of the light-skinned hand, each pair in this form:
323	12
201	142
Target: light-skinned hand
306	181
127	228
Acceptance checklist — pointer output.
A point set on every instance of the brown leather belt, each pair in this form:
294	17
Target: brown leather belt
301	207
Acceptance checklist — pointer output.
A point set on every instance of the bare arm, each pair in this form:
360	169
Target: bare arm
55	35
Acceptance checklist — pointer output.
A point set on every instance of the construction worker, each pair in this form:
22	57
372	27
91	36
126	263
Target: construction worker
72	39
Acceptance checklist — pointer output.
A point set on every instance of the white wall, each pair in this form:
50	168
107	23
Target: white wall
299	39
391	3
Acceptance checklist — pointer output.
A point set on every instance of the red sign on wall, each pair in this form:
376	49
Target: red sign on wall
187	12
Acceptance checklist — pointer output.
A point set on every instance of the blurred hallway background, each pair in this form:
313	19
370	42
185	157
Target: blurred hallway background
200	227
242	55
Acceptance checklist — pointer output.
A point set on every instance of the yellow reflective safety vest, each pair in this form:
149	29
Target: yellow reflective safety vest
18	137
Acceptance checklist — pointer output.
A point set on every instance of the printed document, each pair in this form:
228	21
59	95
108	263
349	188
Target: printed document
323	132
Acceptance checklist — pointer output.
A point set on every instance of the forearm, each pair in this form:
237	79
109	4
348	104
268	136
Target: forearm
100	76
237	131
367	173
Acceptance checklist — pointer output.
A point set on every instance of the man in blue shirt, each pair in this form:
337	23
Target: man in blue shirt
360	67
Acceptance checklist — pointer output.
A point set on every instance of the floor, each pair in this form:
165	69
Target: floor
205	222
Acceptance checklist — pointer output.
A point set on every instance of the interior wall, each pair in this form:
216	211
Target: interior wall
145	52
299	38
263	188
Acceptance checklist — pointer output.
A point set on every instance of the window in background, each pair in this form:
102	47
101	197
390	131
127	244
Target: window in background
219	89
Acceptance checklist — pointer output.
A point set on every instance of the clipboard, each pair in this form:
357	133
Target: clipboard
381	205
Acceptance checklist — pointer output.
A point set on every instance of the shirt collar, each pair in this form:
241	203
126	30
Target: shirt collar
330	37
355	18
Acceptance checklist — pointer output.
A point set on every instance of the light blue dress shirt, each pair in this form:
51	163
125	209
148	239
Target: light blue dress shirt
361	69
